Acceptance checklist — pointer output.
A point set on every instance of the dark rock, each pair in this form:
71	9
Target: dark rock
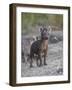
53	39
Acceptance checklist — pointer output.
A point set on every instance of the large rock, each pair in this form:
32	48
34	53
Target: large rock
53	39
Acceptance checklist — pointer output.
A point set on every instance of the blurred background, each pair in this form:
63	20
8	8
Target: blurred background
31	21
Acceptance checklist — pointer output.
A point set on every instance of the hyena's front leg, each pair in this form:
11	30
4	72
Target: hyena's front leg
31	62
37	61
45	60
45	54
40	58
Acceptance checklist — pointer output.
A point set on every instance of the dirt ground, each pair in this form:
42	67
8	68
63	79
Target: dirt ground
54	63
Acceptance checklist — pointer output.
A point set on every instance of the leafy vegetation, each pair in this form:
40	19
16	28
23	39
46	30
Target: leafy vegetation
30	20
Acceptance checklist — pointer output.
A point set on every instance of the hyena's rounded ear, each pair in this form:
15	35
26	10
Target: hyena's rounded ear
41	29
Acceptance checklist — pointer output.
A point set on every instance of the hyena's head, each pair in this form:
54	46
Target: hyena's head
44	33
